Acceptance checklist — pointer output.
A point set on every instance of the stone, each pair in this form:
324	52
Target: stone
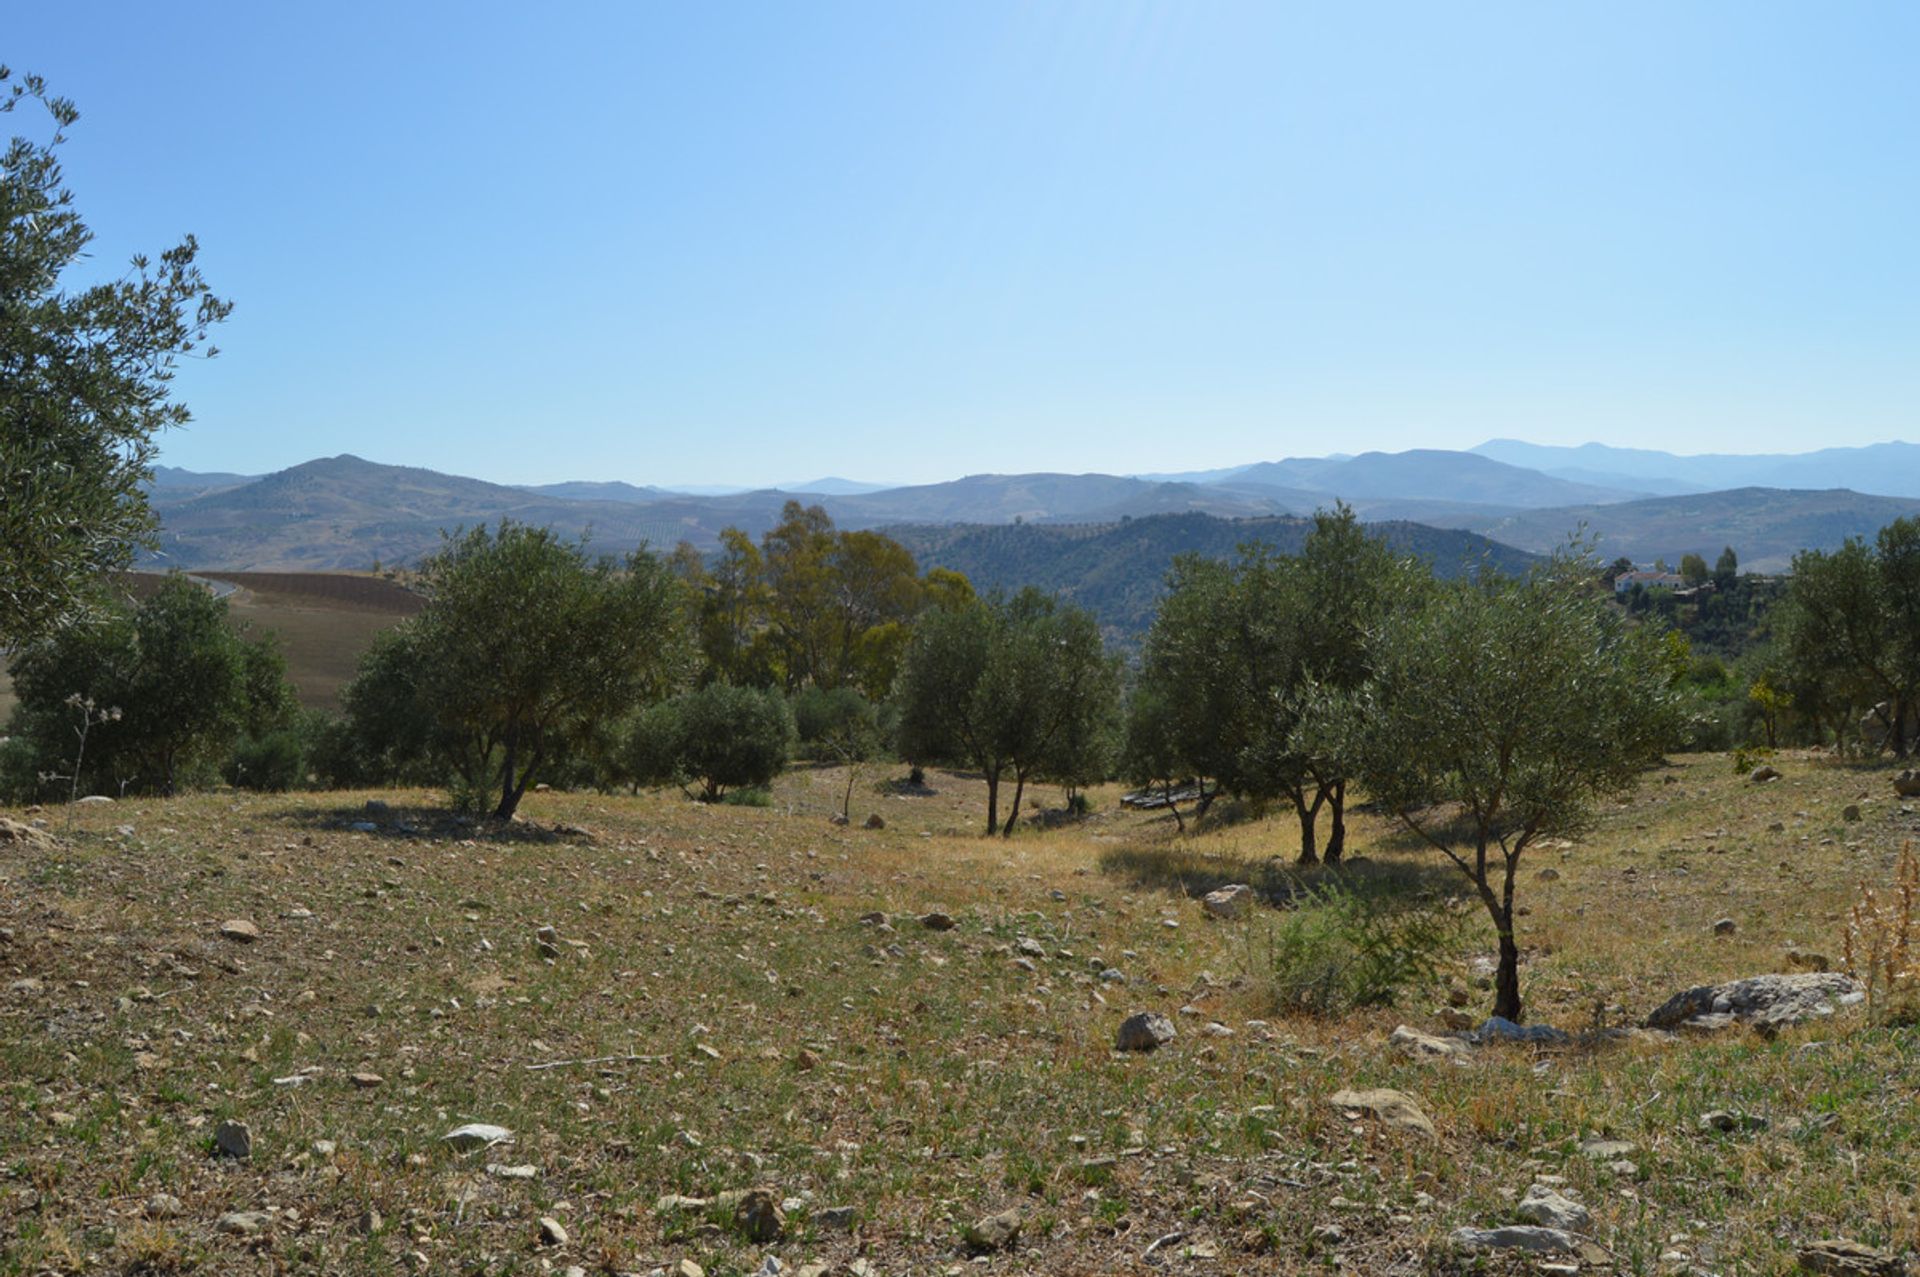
806	1059
1529	1237
1763	773
1843	1258
1394	1108
1548	874
993	1232
937	921
1031	947
1144	1031
95	800
1732	1120
758	1216
552	1231
687	1268
875	821
233	1139
1228	902
464	1139
244	1223
240	930
840	1217
1544	1206
1500	1029
365	1081
1456	1019
1725	926
523	1171
1805	960
1602	1150
1850	813
12	831
1425	1045
1768	1002
164	1206
1907	784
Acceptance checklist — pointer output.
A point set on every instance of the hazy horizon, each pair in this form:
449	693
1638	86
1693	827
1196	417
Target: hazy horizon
696	246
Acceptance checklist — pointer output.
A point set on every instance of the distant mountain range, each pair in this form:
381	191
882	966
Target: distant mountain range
345	512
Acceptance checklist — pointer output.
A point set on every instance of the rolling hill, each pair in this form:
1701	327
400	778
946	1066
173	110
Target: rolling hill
1765	526
1117	571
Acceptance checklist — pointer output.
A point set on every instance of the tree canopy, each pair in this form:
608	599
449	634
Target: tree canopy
1497	713
85	382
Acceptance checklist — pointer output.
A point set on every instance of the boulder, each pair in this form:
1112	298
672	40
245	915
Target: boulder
552	1231
1144	1031
233	1139
1500	1029
876	821
1843	1258
993	1232
244	1223
1394	1108
1546	1207
937	921
25	836
758	1216
1425	1045
240	930
1229	902
1767	1002
1763	773
1529	1237
474	1135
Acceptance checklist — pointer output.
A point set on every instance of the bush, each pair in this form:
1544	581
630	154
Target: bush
1341	947
732	737
756	796
1878	946
649	753
823	716
273	763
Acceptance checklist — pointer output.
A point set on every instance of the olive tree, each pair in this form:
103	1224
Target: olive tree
1496	714
179	682
527	647
85	379
1019	688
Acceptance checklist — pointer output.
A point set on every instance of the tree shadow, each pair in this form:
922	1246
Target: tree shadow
1277	881
411	824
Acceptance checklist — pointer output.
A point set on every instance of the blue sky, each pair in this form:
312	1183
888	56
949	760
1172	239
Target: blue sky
754	243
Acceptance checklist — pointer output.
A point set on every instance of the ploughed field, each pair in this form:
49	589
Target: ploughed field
717	1009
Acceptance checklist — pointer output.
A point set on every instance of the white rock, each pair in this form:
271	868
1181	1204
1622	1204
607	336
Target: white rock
1230	901
476	1135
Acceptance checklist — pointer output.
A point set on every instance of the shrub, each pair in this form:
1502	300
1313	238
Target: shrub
824	717
754	796
1342	947
732	737
1878	946
273	763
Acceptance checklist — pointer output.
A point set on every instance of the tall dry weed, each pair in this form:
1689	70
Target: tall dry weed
1878	945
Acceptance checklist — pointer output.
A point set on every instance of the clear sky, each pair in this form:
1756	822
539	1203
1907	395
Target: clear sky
721	242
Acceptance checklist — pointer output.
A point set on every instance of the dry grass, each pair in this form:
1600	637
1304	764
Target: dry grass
949	1081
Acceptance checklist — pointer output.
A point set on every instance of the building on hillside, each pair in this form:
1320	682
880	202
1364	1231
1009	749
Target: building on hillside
1648	581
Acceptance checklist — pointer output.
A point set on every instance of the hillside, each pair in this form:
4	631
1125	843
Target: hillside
1425	474
1765	526
1117	571
1883	469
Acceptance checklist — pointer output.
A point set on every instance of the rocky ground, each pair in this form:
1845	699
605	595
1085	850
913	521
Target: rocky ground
340	1033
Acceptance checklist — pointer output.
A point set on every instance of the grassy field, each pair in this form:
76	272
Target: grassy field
718	1012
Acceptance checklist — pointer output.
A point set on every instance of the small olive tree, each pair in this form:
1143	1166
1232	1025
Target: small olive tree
1496	714
527	647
